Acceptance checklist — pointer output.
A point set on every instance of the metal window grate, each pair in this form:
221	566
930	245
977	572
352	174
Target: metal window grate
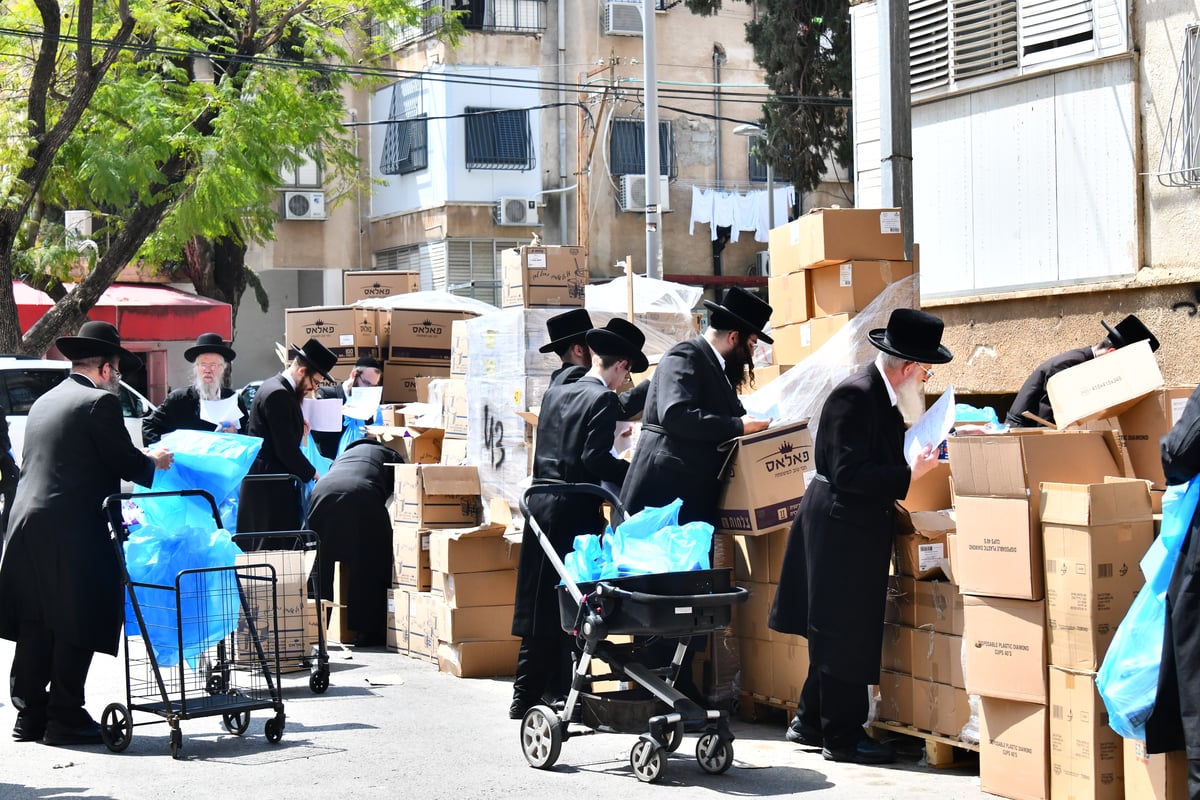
498	139
1179	162
627	148
406	140
499	16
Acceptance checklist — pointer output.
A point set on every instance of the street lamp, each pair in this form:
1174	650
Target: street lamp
757	132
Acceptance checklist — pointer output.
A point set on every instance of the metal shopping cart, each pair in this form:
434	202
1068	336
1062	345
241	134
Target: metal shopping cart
177	624
675	605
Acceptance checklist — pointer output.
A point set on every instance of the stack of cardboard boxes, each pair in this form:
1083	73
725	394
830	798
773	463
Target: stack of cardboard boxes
452	394
827	266
418	346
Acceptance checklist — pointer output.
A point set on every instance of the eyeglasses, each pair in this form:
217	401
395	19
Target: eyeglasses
209	367
928	371
115	371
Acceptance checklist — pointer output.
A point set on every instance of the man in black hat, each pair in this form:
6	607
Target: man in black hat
61	598
833	583
276	417
1033	396
367	372
568	332
574	445
181	408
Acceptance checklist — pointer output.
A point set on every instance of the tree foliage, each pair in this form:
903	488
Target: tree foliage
171	121
803	47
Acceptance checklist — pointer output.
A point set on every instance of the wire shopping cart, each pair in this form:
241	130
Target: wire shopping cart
674	605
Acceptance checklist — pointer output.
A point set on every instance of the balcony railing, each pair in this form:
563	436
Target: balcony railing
499	16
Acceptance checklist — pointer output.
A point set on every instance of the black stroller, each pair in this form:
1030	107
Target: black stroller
674	605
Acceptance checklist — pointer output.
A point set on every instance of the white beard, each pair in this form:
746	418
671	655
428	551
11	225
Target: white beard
910	399
207	391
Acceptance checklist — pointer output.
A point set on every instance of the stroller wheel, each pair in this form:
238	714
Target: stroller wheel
116	727
649	760
541	737
676	737
714	753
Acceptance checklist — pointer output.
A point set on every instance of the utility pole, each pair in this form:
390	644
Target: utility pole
654	266
895	114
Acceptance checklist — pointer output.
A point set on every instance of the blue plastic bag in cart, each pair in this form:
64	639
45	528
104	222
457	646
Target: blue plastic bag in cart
320	463
214	462
650	541
1128	677
205	608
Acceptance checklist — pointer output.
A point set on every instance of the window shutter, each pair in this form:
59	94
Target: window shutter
929	44
985	37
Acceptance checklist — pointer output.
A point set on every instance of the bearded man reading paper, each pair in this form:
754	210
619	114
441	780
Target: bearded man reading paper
833	585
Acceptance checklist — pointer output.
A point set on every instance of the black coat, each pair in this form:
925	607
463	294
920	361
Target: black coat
276	418
1033	396
630	402
833	585
1175	722
691	409
327	441
60	567
576	428
181	411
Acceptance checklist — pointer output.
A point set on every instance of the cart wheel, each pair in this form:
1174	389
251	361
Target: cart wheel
319	681
116	727
274	730
649	760
676	737
236	723
541	737
176	742
714	753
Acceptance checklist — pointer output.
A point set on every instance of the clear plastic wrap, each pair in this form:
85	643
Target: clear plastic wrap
434	301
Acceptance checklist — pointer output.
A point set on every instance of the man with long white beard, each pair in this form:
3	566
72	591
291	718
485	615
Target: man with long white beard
833	584
181	408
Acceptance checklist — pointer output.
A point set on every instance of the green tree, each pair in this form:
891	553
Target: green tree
170	120
803	47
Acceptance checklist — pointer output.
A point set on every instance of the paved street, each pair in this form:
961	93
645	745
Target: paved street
390	726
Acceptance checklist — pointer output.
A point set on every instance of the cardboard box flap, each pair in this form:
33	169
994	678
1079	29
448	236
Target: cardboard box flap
932	524
479	531
1105	386
445	480
1096	503
1016	463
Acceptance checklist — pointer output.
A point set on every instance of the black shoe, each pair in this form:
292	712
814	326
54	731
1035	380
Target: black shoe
519	707
805	737
58	734
866	751
29	728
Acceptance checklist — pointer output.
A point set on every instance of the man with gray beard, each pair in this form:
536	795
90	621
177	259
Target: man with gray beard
833	583
181	408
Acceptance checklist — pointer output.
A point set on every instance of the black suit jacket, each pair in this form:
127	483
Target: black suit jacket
1033	395
181	411
276	418
691	409
630	403
60	568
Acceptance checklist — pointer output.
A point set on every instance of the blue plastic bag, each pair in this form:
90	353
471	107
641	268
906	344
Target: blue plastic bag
355	429
1128	677
651	541
320	463
214	462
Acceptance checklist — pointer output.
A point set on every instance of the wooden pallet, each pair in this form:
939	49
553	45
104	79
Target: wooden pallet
941	752
754	707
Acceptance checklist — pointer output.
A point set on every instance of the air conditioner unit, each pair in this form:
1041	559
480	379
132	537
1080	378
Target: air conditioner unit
517	211
622	18
762	263
633	193
304	205
78	223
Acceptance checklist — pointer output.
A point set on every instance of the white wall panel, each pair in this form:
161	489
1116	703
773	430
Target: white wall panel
864	45
942	194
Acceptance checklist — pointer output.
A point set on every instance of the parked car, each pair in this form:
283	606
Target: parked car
248	391
23	380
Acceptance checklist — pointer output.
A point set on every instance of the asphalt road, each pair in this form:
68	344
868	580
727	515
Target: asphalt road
390	727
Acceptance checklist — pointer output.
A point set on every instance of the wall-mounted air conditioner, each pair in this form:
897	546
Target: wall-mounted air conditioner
762	263
517	211
623	17
304	205
632	194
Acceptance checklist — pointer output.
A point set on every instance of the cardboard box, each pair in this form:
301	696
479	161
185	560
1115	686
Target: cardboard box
937	657
1013	747
459	348
1094	536
790	297
831	235
475	623
937	605
416	445
1162	776
469	589
897	649
822	329
543	277
478	549
400	379
422	626
1103	387
895	698
421	335
999	548
852	285
410	557
921	552
789	666
750	617
939	708
339	619
764	375
1144	425
756	666
764	479
758	558
454	452
350	332
931	492
436	496
293	616
901	608
793	343
1010	464
1086	756
478	659
376	283
397	621
1006	651
453	397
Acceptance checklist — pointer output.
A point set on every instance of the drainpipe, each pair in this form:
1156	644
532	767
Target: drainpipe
718	58
562	123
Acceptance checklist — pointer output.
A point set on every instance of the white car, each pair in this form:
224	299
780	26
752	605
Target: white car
24	380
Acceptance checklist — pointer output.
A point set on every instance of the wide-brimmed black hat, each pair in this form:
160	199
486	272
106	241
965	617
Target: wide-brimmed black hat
97	339
370	362
912	335
566	329
740	311
1128	331
622	339
210	343
317	356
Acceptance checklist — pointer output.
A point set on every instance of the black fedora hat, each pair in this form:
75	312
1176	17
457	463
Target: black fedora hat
97	339
741	311
912	335
622	339
1128	331
369	362
210	343
566	329
317	356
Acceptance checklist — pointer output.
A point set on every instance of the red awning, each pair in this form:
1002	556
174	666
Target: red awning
141	313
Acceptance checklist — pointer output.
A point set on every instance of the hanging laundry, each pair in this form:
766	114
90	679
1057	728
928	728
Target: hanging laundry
723	212
702	208
746	212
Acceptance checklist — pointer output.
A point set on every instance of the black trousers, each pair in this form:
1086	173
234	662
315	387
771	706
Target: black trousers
544	666
834	707
41	659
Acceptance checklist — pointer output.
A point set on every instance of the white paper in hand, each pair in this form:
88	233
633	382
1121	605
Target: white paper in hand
363	402
932	428
322	415
220	412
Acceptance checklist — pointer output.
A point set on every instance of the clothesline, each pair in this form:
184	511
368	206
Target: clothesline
721	208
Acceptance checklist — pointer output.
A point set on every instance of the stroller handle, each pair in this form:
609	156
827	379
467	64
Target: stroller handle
739	594
569	488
